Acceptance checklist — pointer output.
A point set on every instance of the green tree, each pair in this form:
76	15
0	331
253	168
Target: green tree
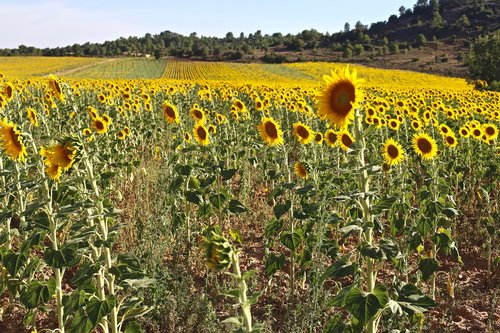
483	59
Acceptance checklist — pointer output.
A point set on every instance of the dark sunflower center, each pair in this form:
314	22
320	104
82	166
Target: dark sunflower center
424	145
450	140
15	139
346	140
271	130
8	91
197	114
477	132
303	132
170	111
332	137
444	130
202	134
342	95
490	131
99	125
393	151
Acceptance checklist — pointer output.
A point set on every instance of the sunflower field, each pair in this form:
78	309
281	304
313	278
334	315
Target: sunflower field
170	196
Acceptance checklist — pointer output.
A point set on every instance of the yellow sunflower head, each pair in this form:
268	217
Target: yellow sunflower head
424	145
121	135
345	139
450	140
198	115
61	154
301	170
318	138
340	97
331	138
11	141
170	113
270	132
201	134
393	152
187	137
32	116
303	133
100	125
464	132
490	130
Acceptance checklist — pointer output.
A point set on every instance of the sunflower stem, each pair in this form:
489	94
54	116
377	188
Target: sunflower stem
292	229
7	225
364	187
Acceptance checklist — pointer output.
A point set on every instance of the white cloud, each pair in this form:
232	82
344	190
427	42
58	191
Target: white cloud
52	23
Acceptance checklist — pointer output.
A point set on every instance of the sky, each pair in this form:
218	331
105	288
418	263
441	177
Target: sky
53	23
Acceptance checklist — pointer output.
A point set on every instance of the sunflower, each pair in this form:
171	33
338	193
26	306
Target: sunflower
340	97
301	170
331	138
187	137
303	133
201	134
86	131
100	125
54	171
424	145
393	152
197	114
8	91
55	87
61	154
464	132
270	132
394	124
450	140
126	130
444	129
92	112
318	138
32	116
170	113
345	139
11	141
491	131
212	129
121	135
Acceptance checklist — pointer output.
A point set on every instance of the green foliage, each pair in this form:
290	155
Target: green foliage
483	59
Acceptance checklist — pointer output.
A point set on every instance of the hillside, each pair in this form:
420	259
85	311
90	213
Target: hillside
433	36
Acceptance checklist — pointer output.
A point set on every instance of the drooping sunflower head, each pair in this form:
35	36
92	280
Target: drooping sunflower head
11	141
344	139
170	113
32	116
55	88
340	97
303	133
201	134
218	251
187	137
62	154
393	152
301	170
92	112
270	131
8	91
424	145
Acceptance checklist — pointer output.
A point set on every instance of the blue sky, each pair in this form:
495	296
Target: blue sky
51	23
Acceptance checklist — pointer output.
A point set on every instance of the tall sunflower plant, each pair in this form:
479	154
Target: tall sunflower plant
367	299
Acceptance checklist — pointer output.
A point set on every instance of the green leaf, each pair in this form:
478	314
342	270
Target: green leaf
281	209
339	269
80	323
97	309
390	249
65	257
371	251
193	197
442	239
133	327
228	174
291	241
384	204
273	227
14	262
236	207
412	300
41	221
304	190
32	240
424	226
183	170
450	212
273	264
334	325
427	266
217	200
364	306
339	299
37	293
